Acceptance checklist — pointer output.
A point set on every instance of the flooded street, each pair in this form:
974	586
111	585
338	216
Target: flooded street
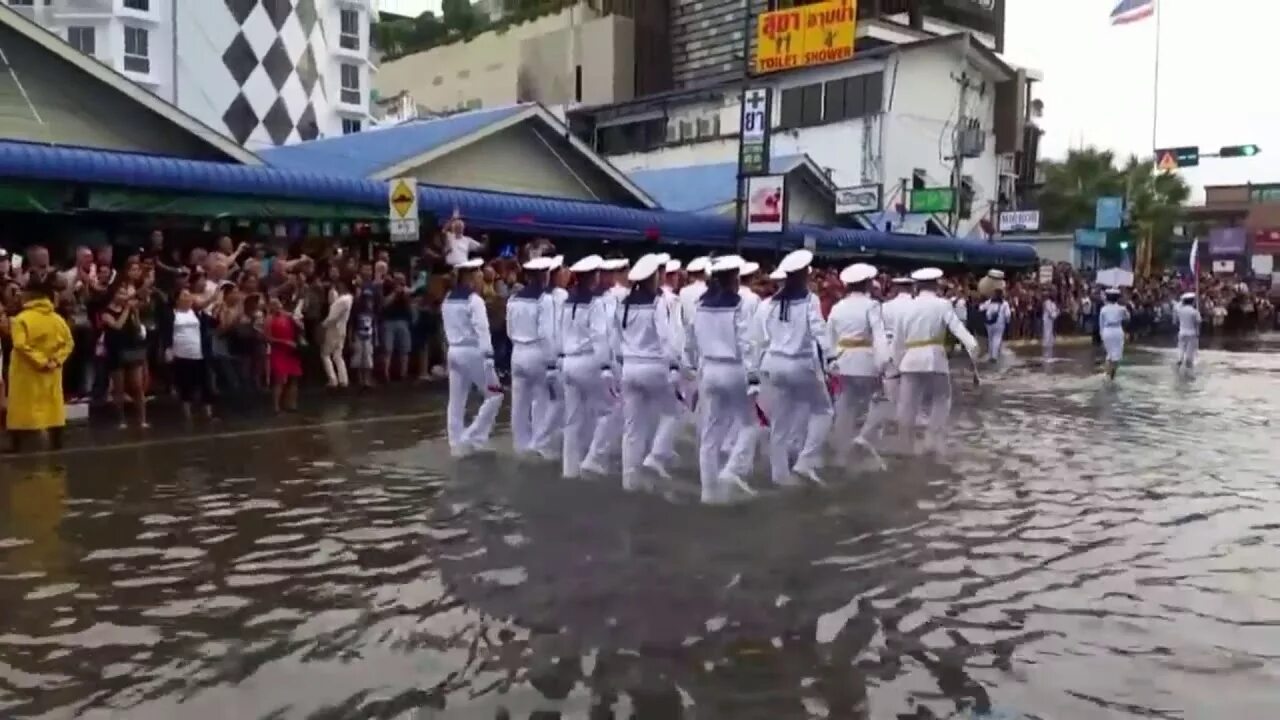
1089	551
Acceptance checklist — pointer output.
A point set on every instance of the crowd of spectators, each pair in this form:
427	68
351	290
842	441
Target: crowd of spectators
236	322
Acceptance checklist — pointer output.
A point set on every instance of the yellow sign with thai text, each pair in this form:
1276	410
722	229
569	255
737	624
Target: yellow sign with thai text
815	34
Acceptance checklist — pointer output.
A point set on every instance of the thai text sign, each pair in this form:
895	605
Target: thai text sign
809	35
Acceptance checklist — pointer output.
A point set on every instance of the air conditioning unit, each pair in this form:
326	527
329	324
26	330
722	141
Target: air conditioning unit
971	142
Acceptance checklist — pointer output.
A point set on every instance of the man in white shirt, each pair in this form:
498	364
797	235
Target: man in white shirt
458	246
1048	316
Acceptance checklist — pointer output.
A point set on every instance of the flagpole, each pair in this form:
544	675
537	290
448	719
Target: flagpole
1155	105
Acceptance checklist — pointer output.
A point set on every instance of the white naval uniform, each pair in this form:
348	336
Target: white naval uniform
882	412
793	336
996	314
548	428
530	313
669	300
857	332
1188	335
920	334
751	301
690	295
1111	320
1048	316
719	346
470	361
584	350
645	342
606	441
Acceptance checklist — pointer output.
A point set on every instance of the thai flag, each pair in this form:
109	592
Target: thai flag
1128	11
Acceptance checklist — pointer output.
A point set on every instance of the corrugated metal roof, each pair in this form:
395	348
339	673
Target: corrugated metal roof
700	188
363	154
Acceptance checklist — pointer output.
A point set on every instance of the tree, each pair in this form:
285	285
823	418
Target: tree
1153	200
459	17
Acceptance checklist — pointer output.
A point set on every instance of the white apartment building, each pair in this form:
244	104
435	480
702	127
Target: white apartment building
887	117
262	72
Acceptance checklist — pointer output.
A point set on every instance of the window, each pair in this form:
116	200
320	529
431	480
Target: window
82	38
143	5
350	84
21	3
349	37
640	136
577	83
801	107
350	126
853	97
136	54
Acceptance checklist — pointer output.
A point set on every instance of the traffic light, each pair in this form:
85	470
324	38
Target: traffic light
1124	244
1239	151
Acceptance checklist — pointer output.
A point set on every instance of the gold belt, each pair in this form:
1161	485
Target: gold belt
926	343
853	343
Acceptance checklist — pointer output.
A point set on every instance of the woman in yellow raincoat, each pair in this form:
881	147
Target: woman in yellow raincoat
41	345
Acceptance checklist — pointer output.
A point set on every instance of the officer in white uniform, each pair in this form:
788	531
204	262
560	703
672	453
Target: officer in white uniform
645	341
920	333
1112	317
607	439
530	316
1048	316
549	418
793	335
584	350
885	407
856	328
1188	331
996	314
718	345
470	361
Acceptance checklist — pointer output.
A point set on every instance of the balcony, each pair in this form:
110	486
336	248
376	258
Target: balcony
145	10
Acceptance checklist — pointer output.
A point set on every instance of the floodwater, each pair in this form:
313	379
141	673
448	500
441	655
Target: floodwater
1088	551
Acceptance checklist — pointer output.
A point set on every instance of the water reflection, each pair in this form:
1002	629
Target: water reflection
1089	550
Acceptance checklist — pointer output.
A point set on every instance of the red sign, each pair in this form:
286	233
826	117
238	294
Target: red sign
1266	242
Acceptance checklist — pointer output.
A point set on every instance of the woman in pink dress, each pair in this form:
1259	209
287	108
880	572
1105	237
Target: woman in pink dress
284	361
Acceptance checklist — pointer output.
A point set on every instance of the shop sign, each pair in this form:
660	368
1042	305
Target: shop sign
805	36
932	200
766	203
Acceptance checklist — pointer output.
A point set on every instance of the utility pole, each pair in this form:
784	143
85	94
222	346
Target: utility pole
957	150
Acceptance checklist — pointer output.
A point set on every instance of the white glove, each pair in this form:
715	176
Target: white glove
491	376
753	385
611	382
675	376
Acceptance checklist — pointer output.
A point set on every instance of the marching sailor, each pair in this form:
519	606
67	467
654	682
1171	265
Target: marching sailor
885	408
791	332
1112	318
584	350
607	439
719	346
996	313
691	293
530	314
1048	316
549	419
748	295
856	327
920	333
1188	331
615	279
470	361
645	342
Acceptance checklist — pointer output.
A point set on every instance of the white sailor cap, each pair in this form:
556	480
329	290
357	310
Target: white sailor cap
928	274
557	262
995	274
590	263
1112	292
739	258
673	266
795	261
699	265
857	273
471	264
726	264
749	268
644	268
663	258
614	264
902	281
1188	296
540	263
777	275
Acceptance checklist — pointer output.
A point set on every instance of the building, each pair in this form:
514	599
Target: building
1238	227
262	72
886	118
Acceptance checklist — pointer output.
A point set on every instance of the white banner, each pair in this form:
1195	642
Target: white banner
859	199
766	203
1019	221
1262	264
1224	266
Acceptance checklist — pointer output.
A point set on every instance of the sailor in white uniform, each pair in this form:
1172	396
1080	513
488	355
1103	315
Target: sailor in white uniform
920	334
530	314
884	407
751	302
1188	331
548	425
614	271
1112	318
470	361
664	450
607	439
584	350
856	328
645	342
690	295
793	336
1048	316
996	314
719	347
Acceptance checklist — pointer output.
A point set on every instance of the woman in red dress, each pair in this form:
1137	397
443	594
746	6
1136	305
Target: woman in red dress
284	361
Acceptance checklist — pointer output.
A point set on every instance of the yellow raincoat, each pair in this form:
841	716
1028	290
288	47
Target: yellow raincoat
40	338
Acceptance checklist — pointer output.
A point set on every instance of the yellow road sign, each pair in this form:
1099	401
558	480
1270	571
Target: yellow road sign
1168	163
403	199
